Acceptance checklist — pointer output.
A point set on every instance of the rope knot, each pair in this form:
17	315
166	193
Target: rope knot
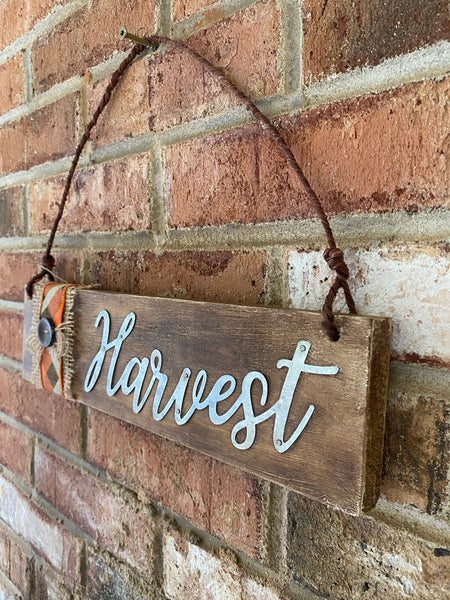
48	262
335	261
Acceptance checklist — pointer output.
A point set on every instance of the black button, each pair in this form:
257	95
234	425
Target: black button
45	332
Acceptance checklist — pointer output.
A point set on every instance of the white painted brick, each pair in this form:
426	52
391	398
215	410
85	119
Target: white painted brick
411	285
19	515
50	540
190	572
7	590
253	590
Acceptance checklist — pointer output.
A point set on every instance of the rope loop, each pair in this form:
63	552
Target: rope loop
335	261
333	255
48	262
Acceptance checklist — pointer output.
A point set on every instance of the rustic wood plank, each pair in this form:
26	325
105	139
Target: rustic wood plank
336	459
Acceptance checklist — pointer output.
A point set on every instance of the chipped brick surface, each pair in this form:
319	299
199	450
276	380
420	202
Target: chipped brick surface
16	451
49	539
12	332
211	276
109	197
104	581
11	219
417	459
340	35
47	134
11	84
46	413
369	560
245	46
109	518
185	8
69	50
410	285
240	176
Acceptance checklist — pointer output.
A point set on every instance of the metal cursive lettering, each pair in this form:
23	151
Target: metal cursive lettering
222	389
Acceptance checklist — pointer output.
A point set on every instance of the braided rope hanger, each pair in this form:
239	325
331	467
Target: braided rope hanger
332	255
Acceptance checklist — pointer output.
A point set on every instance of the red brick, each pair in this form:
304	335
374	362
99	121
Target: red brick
236	176
127	114
137	458
245	46
11	265
11	334
182	90
171	88
109	197
16	451
109	518
47	134
185	8
50	540
15	564
18	16
356	153
17	268
46	413
79	43
210	276
213	496
416	460
11	84
13	17
50	587
340	35
236	508
11	217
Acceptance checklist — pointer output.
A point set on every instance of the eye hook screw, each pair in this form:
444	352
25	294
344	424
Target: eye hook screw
123	34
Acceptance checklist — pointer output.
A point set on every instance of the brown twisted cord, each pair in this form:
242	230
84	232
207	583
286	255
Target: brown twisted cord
333	255
48	261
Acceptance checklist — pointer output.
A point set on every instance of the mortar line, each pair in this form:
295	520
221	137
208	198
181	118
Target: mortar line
10	364
9	587
59	14
341	87
27	75
424	64
291	45
204	18
25	210
419	65
163	11
157	203
430	226
276	287
37	500
10	306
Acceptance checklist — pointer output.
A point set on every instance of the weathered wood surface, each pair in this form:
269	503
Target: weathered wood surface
336	459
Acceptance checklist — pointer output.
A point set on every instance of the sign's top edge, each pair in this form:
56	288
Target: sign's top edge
231	306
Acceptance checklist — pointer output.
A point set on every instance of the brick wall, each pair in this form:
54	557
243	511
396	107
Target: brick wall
179	194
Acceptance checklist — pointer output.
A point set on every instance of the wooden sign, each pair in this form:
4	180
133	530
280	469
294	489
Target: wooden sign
261	389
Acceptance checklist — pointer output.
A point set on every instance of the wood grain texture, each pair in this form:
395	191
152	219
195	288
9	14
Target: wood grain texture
337	458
